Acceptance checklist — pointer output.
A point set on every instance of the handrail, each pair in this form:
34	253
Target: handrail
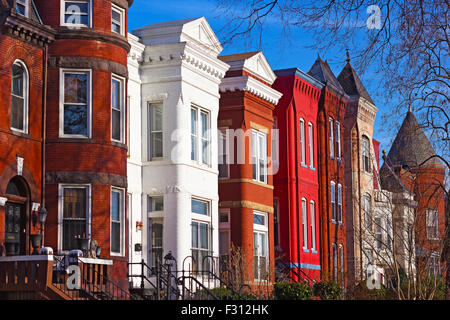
103	286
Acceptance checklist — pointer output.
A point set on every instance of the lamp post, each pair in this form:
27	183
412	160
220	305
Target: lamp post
169	261
42	218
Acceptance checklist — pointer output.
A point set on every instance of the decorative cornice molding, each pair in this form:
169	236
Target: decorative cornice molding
246	204
251	85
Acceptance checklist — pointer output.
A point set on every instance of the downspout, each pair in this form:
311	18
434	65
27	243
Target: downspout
44	122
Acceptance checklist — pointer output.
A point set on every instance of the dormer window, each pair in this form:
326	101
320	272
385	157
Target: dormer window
76	13
22	7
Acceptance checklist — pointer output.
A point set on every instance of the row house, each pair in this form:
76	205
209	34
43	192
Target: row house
65	64
330	132
296	195
175	75
246	164
360	173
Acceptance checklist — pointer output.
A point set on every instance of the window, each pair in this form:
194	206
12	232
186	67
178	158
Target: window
378	233
22	7
259	156
155	120
117	20
339	202
224	238
156	226
200	207
333	201
432	224
331	137
19	97
367	206
76	91
128	106
434	265
201	245
156	204
200	136
260	245
223	154
117	109
117	221
335	262
275	148
365	146
76	13
311	145
302	142
75	215
338	140
312	211
305	224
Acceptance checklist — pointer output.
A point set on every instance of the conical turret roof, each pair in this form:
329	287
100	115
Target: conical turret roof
411	147
351	83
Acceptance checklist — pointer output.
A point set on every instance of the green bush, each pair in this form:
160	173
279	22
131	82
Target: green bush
226	294
291	291
327	290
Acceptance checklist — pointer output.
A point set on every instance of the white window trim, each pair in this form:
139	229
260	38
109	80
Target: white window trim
154	214
333	200
331	137
26	4
121	11
122	112
198	136
312	204
311	144
338	150
201	217
61	103
302	143
223	132
305	225
63	13
150	105
262	229
61	188
122	222
258	173
226	226
436	214
340	218
26	93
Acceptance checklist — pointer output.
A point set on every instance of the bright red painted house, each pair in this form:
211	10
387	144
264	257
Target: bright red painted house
296	194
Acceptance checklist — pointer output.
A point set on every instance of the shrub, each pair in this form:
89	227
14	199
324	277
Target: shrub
292	291
327	290
226	294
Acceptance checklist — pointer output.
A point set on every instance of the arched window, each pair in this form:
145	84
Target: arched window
19	97
365	151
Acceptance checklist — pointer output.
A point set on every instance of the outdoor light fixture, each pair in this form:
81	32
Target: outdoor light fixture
42	215
3	201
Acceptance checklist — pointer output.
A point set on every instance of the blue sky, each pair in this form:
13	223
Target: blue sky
279	52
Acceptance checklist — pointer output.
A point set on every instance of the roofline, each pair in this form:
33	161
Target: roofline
302	75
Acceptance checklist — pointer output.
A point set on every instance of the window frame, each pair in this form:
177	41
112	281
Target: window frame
335	261
312	213
258	230
331	137
222	134
121	191
302	143
63	14
305	225
367	199
26	5
61	187
259	134
26	95
338	150
365	149
154	213
435	225
339	213
122	82
333	201
311	145
62	72
225	227
150	106
198	155
121	12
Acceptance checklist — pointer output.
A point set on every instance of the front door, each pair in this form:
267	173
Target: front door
15	229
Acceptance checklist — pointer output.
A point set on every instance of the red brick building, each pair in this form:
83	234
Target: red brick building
85	127
330	121
296	194
23	48
245	168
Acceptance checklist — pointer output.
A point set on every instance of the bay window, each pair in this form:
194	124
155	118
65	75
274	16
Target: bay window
117	109
201	235
117	221
260	245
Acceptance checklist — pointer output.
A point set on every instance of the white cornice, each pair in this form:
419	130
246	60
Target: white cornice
251	85
256	65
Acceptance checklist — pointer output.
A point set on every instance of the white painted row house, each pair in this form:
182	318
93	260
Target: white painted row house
174	78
